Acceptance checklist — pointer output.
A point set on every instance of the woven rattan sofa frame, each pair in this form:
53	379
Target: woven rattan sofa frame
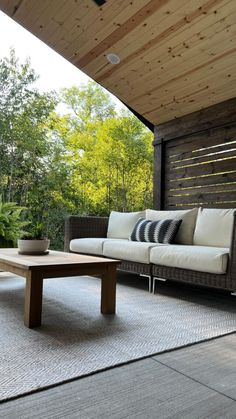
84	227
88	226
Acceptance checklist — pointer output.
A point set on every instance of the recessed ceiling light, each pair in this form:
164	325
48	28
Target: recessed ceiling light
113	58
100	2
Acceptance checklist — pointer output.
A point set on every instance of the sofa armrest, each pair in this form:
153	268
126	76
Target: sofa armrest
78	227
232	258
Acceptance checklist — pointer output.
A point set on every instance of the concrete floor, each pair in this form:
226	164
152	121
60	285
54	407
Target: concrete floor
195	382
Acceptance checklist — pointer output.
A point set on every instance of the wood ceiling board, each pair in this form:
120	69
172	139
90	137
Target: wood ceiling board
101	31
174	109
139	57
75	31
188	93
78	45
164	34
199	104
206	69
51	27
28	16
196	83
191	88
148	74
169	69
118	81
10	7
195	124
142	32
60	25
165	29
126	50
119	33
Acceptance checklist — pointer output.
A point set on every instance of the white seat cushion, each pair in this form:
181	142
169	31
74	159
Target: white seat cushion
128	250
188	217
121	224
93	246
197	258
214	227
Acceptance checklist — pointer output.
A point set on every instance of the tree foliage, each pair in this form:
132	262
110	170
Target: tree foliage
24	143
109	155
89	160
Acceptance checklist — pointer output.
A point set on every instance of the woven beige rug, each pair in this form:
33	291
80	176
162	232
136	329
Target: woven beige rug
76	340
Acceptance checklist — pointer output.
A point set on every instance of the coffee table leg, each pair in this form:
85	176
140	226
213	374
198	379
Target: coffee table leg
108	290
33	299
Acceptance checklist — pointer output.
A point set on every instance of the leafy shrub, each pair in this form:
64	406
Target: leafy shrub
11	224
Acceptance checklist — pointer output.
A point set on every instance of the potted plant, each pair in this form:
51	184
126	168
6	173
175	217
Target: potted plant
34	242
11	224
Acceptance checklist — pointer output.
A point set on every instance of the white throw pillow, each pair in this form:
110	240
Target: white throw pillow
188	217
121	224
214	227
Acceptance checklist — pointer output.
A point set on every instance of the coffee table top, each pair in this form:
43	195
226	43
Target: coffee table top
52	259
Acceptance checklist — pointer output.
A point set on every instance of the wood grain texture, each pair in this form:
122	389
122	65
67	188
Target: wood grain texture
199	160
159	176
219	115
56	265
108	290
33	299
53	260
177	56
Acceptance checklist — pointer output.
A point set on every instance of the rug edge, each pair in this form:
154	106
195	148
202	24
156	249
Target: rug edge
120	364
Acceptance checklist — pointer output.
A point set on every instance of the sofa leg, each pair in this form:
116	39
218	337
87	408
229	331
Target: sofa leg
150	285
156	278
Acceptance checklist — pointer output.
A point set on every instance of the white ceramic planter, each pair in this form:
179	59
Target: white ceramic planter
33	246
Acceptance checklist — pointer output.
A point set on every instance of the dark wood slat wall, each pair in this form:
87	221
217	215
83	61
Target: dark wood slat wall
159	175
195	159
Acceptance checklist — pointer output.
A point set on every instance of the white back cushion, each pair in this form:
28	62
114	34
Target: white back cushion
214	227
186	230
121	224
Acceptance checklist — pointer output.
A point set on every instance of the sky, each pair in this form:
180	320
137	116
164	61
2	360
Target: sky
55	72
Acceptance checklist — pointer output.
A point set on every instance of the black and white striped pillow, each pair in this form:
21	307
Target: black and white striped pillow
162	231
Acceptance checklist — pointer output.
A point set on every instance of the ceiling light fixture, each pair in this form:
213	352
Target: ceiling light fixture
100	2
113	58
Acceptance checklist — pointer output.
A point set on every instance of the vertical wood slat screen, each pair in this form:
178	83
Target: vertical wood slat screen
196	167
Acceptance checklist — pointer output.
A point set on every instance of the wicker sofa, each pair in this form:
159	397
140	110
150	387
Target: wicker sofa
204	252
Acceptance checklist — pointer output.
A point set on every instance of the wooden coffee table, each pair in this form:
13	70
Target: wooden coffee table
58	264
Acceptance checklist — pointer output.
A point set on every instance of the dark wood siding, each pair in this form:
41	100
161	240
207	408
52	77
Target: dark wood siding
197	167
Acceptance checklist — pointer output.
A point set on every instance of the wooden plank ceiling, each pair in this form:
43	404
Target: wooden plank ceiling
177	56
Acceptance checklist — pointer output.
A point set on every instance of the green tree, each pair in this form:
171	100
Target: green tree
24	144
30	171
90	160
87	104
109	157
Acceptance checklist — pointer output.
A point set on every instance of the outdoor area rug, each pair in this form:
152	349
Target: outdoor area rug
76	340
